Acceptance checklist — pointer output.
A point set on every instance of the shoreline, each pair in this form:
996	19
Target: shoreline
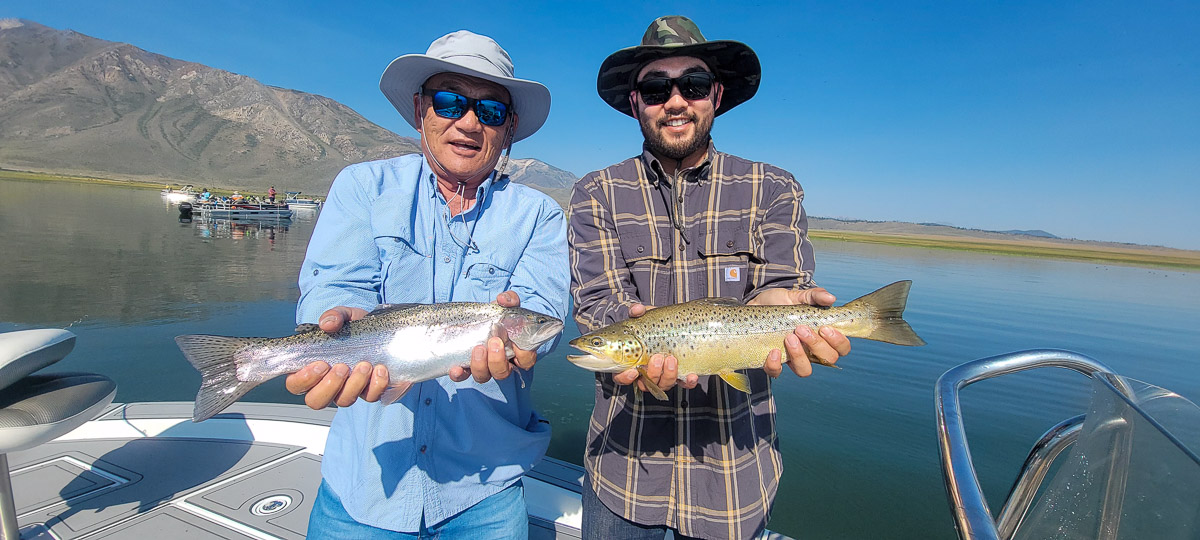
1126	255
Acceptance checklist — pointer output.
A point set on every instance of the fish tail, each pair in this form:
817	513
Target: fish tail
213	357
887	305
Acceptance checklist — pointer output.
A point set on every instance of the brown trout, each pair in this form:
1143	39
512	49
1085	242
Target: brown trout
416	342
717	336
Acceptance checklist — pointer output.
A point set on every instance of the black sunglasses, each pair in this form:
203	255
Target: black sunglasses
447	104
657	90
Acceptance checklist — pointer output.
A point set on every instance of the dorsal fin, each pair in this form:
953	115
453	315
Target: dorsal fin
391	308
718	301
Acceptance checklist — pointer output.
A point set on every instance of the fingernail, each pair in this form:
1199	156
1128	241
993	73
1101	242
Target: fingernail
656	362
328	320
341	370
380	371
495	346
362	368
320	369
805	331
826	331
792	340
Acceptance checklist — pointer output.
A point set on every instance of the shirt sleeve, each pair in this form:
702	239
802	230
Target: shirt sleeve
782	242
541	275
341	266
600	281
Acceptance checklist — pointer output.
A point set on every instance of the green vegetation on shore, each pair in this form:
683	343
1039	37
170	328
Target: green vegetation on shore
7	174
1134	256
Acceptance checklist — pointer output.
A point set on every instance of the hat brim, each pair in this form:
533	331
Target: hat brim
405	75
733	62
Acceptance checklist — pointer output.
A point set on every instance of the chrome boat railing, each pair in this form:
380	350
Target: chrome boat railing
972	516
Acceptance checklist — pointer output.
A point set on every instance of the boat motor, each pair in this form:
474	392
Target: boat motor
185	210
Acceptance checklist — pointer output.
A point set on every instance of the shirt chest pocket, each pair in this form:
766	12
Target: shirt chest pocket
648	256
490	272
728	252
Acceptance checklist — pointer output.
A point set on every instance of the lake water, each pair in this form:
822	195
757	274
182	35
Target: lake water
860	453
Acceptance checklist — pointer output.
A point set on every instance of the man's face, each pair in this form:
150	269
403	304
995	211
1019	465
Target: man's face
466	148
680	127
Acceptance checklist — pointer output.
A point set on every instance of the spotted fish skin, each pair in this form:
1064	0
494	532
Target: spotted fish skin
719	335
416	342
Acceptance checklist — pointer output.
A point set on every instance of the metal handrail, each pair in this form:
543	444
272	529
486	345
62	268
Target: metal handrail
972	516
1033	472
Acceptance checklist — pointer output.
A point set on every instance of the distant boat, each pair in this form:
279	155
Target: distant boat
244	210
186	193
294	199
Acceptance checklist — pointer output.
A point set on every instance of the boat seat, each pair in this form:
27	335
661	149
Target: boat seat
38	408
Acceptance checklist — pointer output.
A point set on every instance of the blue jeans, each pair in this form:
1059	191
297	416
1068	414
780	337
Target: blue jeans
500	517
600	523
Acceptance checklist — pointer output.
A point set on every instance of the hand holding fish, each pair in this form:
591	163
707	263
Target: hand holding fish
662	370
322	386
491	361
803	345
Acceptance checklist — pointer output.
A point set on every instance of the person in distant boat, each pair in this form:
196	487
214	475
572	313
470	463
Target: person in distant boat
205	195
444	225
679	222
271	194
236	197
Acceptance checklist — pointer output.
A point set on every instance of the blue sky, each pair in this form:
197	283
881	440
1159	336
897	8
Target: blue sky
1078	118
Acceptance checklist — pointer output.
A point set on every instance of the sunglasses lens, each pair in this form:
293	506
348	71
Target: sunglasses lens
491	113
655	91
449	104
695	85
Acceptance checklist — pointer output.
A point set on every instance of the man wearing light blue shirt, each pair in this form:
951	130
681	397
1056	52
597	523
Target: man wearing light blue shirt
441	226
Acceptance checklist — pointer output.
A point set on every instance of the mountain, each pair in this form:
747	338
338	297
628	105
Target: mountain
74	104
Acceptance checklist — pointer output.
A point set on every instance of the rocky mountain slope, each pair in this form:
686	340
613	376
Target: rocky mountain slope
70	103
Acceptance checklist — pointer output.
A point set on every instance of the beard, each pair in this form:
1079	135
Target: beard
676	149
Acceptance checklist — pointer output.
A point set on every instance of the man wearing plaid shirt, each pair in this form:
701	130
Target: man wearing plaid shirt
679	222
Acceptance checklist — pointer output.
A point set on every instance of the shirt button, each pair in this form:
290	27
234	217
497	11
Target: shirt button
422	449
641	249
681	198
397	240
447	259
681	247
315	271
491	270
683	404
428	401
729	243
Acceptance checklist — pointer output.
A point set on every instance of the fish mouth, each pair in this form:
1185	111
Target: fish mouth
595	363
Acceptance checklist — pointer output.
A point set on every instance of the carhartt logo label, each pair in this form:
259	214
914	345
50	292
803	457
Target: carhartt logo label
733	274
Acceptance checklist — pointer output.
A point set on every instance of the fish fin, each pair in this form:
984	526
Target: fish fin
394	393
213	357
651	386
388	308
888	305
304	328
736	380
718	301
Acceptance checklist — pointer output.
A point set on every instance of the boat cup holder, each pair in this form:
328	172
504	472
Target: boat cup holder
271	505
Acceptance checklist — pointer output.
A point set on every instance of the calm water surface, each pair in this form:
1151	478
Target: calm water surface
860	453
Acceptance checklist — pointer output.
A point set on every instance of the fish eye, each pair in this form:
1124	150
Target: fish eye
596	342
541	320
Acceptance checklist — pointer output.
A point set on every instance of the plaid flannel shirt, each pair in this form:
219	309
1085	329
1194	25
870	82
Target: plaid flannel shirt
706	462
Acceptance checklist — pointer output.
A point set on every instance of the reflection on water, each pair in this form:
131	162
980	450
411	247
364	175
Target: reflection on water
860	456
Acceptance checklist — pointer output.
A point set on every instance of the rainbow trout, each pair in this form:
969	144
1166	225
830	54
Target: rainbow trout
416	342
717	336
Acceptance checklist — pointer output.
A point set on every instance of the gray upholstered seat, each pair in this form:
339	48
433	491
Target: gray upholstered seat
35	409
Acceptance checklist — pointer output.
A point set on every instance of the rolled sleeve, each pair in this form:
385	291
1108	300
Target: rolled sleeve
341	266
602	283
541	276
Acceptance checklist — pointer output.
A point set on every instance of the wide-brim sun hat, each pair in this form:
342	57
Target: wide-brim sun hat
733	62
470	54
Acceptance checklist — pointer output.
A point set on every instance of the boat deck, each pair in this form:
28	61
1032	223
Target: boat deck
144	470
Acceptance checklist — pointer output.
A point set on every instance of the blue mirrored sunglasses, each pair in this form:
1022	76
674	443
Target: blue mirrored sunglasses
447	104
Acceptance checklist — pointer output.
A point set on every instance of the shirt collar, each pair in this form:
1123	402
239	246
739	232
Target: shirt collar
698	173
428	176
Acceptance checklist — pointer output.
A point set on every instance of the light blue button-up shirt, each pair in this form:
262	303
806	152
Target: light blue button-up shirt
385	235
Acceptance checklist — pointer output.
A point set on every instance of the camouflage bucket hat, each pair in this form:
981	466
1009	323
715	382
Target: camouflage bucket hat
734	63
